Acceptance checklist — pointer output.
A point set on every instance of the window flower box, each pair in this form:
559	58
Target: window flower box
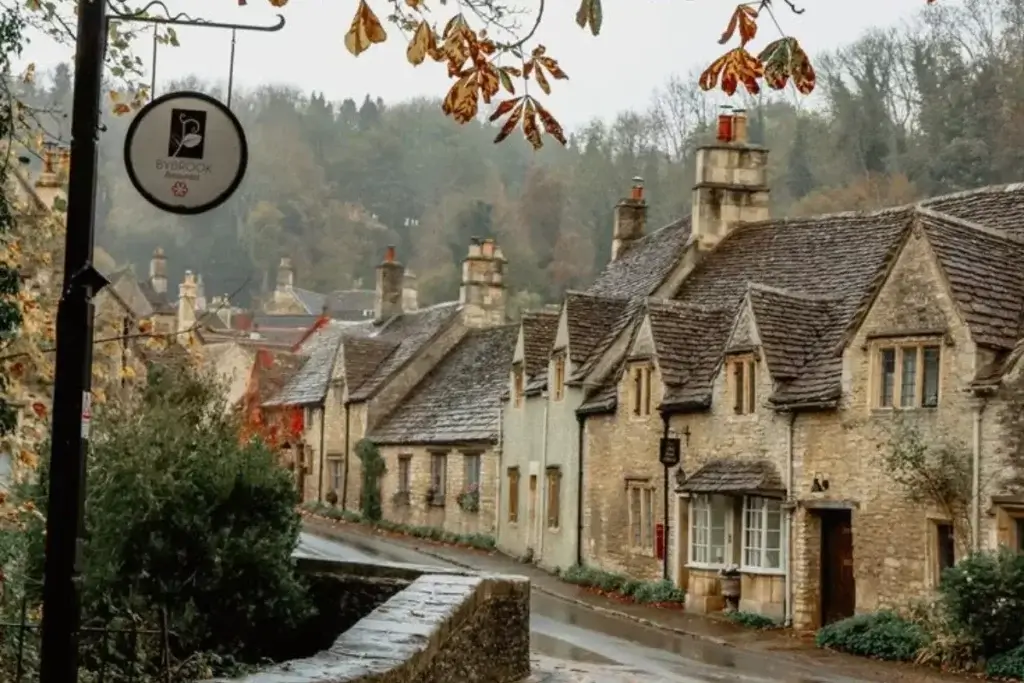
730	582
469	500
400	499
434	497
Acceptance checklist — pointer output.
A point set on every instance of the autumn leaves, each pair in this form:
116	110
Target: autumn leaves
777	64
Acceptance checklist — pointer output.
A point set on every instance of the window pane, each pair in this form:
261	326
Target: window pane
718	515
908	383
751	387
888	362
737	373
648	530
930	399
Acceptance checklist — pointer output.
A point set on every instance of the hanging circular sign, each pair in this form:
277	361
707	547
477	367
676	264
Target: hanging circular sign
186	152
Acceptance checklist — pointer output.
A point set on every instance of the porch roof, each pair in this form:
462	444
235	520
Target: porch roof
734	476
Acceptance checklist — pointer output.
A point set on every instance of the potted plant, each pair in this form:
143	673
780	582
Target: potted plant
434	496
469	500
331	498
400	499
729	577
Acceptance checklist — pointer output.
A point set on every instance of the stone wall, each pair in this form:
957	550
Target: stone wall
444	626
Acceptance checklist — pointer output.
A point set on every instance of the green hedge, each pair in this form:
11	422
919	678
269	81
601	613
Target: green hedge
882	635
478	541
645	592
1008	665
752	620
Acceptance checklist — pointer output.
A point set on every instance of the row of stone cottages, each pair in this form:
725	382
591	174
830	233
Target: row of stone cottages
782	353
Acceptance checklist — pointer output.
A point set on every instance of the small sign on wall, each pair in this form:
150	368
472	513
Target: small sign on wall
669	454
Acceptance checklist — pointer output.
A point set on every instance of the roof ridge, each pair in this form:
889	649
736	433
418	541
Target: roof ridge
966	224
817	217
683	305
600	297
791	294
984	189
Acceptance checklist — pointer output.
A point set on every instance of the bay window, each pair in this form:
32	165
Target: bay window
762	533
709	522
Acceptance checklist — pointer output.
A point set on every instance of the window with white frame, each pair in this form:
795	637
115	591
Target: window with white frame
762	533
709	522
337	472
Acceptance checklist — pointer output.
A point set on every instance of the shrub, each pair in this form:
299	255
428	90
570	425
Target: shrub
658	591
752	620
610	582
984	598
373	469
882	635
1007	665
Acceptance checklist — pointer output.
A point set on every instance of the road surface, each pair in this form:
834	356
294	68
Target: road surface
575	644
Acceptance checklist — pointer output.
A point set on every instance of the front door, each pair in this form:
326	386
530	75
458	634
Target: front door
838	590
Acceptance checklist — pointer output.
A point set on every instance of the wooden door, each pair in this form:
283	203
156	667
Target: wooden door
838	588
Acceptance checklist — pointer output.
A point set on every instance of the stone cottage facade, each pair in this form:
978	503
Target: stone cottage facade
788	357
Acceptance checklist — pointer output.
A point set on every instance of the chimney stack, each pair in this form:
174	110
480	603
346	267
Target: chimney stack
285	275
732	182
390	278
630	219
482	294
158	271
186	305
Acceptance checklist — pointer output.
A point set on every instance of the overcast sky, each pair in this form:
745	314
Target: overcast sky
643	42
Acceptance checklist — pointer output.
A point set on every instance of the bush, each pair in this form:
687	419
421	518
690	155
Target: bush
1007	665
882	635
751	620
373	469
645	592
984	598
657	592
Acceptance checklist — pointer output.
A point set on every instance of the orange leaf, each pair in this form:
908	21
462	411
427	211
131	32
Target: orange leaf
530	129
744	18
364	31
120	109
516	109
551	125
542	81
487	80
422	44
461	101
39	409
506	73
275	3
784	59
734	67
553	68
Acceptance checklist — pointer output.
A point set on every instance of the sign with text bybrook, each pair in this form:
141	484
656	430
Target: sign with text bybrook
186	152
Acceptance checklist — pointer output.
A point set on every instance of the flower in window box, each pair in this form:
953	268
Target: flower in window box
400	499
469	500
730	571
435	496
331	497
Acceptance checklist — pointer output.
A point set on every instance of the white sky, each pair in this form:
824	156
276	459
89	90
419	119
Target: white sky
643	42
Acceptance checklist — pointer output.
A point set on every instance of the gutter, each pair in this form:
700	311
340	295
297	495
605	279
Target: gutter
664	533
541	476
979	409
498	476
344	479
788	521
580	419
323	456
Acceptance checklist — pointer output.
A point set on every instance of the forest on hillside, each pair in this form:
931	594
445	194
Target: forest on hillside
930	107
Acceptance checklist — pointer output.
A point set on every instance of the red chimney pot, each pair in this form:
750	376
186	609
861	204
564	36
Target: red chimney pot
389	255
725	131
638	189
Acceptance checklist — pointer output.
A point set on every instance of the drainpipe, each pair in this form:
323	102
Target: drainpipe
541	520
344	479
979	408
579	489
664	533
790	499
499	477
323	422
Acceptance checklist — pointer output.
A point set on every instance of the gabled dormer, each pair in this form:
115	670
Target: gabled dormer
640	387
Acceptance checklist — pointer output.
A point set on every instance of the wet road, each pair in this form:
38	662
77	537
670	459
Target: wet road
575	644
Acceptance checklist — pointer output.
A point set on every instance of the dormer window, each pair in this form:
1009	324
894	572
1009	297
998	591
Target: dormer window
517	385
558	376
908	376
640	389
743	381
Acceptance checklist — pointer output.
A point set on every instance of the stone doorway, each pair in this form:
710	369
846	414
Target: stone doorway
838	585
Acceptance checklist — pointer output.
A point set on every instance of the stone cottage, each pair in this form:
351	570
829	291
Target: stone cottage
791	358
363	373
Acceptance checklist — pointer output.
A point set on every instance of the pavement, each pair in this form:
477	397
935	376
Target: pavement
580	637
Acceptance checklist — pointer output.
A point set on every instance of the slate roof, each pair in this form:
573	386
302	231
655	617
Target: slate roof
351	304
362	356
644	265
539	330
1000	207
688	342
458	401
309	385
277	321
273	371
587	317
313	302
160	301
734	476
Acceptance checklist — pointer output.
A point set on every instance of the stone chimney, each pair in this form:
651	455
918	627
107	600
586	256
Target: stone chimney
410	293
630	219
285	275
221	307
200	293
186	304
49	186
158	271
482	294
732	182
390	281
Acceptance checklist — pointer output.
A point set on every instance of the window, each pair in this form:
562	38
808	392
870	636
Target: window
554	496
404	462
308	421
513	494
337	469
641	516
438	475
709	519
744	385
945	547
918	370
762	533
558	383
641	390
517	385
471	471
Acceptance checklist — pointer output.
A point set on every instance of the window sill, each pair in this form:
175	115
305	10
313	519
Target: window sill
758	571
553	529
435	503
701	566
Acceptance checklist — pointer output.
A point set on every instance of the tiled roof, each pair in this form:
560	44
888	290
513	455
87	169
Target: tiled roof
458	401
644	265
1000	207
361	357
734	476
351	304
587	317
789	326
274	370
985	271
309	385
160	301
279	321
688	342
539	331
410	332
313	302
